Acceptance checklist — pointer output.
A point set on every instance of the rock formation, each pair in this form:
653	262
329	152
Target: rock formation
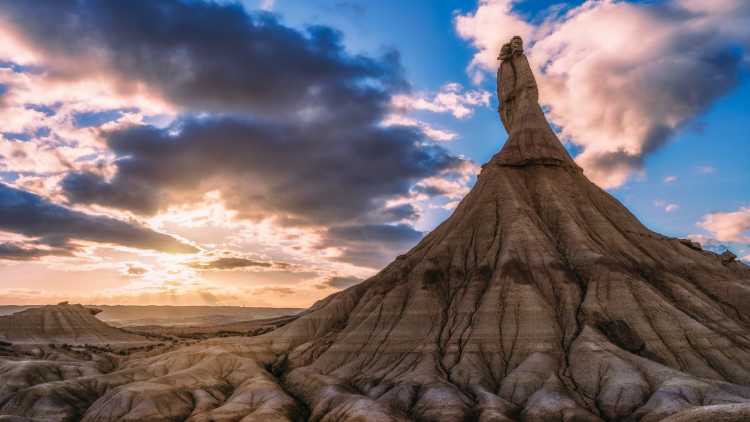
540	299
62	323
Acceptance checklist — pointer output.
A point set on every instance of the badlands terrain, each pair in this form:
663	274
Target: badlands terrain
542	298
60	324
131	315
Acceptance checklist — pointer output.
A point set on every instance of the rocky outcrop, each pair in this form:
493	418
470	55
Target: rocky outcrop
62	323
541	298
727	257
691	244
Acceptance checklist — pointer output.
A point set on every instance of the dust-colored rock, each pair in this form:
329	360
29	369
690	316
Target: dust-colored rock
62	323
727	257
715	413
691	244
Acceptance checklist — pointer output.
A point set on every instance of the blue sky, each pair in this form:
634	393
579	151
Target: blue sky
718	138
304	158
434	54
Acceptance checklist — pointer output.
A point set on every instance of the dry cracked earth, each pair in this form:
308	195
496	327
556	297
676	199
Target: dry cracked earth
542	298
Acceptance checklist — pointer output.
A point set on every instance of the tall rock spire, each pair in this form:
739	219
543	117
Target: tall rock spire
531	140
517	90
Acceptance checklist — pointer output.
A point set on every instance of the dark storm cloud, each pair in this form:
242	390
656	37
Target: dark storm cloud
398	233
401	212
31	215
17	251
283	122
429	190
307	174
371	245
199	55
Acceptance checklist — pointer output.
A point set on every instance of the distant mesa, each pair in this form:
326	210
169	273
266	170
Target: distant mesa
61	323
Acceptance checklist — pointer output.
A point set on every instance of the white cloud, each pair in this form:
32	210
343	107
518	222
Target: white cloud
728	226
43	109
705	169
488	28
667	207
670	179
451	98
267	4
619	77
428	130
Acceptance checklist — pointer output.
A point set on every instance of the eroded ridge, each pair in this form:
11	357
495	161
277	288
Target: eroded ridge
541	298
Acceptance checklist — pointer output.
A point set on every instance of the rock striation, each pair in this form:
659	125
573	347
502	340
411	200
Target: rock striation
542	298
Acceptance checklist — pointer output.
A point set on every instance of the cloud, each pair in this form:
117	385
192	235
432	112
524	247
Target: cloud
429	190
451	98
670	179
307	175
671	207
378	233
17	251
709	243
453	186
371	245
135	270
728	226
667	207
283	291
294	131
267	4
705	169
339	282
181	46
427	130
401	212
176	296
50	224
229	263
488	28
620	78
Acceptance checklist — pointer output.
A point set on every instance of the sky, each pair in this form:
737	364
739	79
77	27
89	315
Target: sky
270	153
